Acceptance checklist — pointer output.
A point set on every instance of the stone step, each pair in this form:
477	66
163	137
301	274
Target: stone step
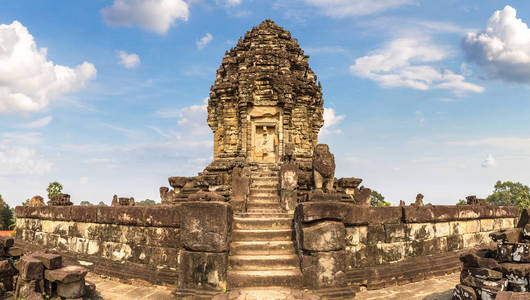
262	223
263	215
264	210
262	235
264	177
261	248
258	195
270	204
261	199
281	278
262	190
264	185
264	262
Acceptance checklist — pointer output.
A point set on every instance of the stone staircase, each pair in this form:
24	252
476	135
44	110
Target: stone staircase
262	253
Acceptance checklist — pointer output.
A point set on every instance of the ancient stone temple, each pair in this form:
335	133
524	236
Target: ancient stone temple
268	211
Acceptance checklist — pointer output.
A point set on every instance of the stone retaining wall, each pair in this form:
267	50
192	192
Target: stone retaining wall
160	244
145	238
336	239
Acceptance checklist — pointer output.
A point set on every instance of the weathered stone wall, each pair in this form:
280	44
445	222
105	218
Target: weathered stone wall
344	238
144	238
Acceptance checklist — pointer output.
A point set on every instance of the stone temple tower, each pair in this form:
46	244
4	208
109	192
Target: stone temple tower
264	96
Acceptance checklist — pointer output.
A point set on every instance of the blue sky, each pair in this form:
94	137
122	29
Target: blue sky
108	97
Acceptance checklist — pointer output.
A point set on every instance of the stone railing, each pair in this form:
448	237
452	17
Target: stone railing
342	244
160	244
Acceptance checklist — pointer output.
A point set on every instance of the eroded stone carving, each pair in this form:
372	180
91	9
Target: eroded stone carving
323	168
36	201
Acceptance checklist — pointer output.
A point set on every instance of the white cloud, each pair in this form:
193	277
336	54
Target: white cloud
205	40
347	8
152	15
28	81
129	61
22	161
38	123
514	143
190	118
330	120
489	162
406	62
233	2
503	48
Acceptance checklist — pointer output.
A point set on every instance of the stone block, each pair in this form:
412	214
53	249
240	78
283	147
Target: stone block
445	213
513	235
74	289
129	215
486	225
324	269
419	231
491	286
475	239
462	292
328	210
202	196
14	252
468	212
206	226
29	289
391	252
395	233
506	211
177	182
418	214
375	234
50	261
87	214
30	268
202	270
471	259
442	229
362	215
484	273
323	236
66	274
162	216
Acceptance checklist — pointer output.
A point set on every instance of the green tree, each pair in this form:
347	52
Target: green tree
377	199
54	189
510	194
146	202
6	215
85	203
101	203
461	202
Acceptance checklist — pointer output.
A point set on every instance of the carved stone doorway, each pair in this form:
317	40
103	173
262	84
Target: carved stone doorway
265	142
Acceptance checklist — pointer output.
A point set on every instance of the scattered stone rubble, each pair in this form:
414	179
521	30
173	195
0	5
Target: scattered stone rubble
60	200
122	201
39	275
498	273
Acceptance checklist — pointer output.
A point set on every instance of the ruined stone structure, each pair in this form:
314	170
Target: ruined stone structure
268	210
501	272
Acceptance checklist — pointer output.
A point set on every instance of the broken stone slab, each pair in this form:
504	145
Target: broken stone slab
66	274
471	259
212	274
463	292
30	268
491	286
319	195
6	241
484	273
50	261
323	236
14	252
177	182
349	182
206	226
512	235
326	210
515	270
73	289
206	196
